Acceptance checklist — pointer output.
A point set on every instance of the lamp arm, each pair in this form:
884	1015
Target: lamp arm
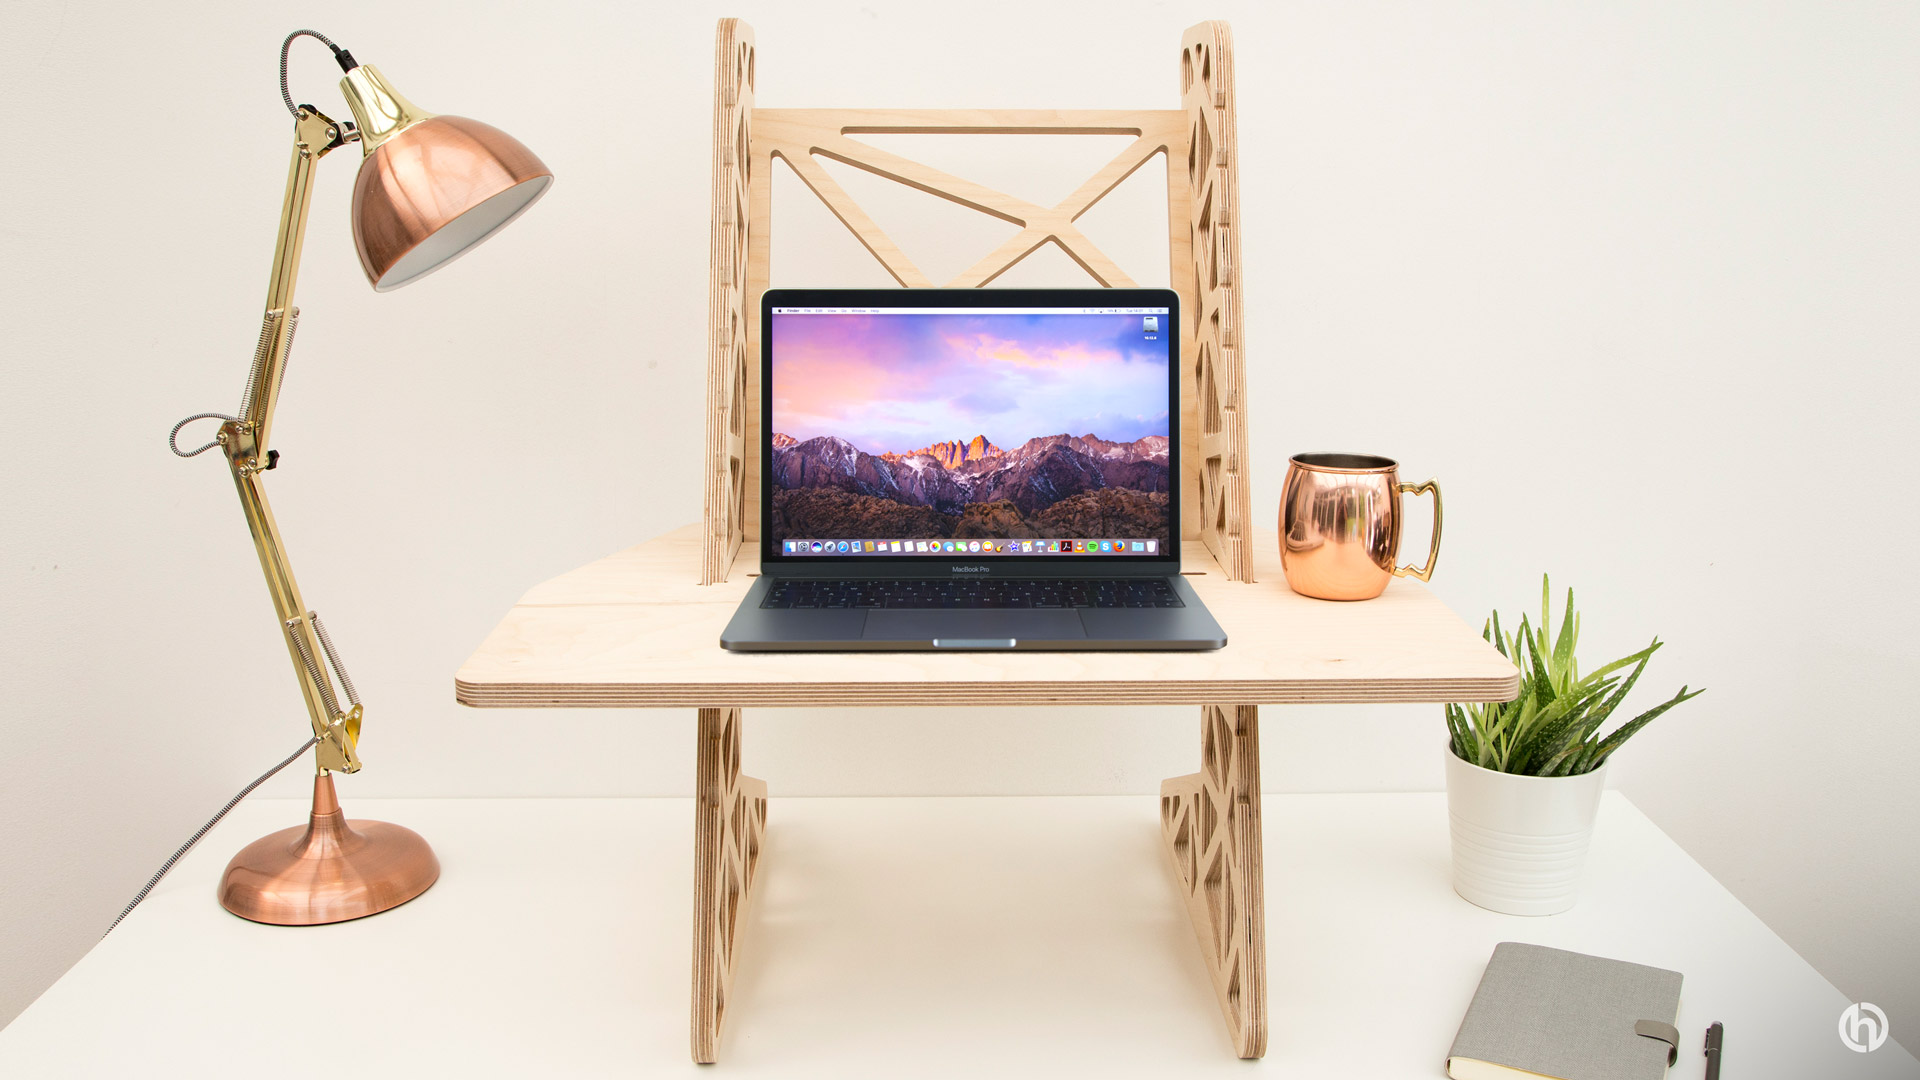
244	441
314	137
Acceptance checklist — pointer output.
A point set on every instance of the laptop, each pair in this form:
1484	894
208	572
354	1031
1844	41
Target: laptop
970	470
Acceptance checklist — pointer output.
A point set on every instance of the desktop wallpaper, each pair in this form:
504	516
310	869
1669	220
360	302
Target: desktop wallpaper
969	425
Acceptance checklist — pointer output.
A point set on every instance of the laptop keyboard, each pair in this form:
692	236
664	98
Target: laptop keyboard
966	593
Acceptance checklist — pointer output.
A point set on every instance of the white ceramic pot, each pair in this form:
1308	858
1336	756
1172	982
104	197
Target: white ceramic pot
1520	842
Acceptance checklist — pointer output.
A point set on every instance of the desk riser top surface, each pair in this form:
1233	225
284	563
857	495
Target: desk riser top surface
635	629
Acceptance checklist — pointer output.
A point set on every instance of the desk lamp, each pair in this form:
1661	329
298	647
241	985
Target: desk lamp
430	188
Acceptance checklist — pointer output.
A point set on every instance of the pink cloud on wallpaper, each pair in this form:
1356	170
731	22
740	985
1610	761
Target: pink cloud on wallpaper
896	382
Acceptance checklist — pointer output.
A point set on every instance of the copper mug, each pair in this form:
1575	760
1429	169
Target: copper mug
1340	525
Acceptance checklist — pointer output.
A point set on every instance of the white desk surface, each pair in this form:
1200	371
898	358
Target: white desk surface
959	937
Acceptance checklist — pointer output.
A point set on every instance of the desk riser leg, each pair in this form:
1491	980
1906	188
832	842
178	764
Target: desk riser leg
729	826
1211	824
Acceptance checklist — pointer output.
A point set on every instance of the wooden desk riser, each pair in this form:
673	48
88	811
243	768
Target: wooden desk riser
641	628
635	630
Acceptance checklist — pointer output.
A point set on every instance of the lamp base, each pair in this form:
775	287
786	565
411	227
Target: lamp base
329	871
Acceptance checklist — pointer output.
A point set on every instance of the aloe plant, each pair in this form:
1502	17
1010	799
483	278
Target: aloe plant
1553	727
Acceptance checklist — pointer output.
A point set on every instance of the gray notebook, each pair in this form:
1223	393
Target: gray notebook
1566	1015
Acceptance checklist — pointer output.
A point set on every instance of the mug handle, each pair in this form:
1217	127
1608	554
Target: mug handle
1424	573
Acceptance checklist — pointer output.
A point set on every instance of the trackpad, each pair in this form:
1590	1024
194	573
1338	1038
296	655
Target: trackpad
975	629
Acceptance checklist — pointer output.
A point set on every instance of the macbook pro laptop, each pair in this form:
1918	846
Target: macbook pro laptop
970	469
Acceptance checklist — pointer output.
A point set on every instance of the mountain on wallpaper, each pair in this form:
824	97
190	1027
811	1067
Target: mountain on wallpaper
1052	486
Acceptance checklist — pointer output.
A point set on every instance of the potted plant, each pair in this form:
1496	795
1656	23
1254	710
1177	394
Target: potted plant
1524	777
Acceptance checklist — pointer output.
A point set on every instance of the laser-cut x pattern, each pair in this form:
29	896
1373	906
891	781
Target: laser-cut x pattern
728	313
795	136
730	821
1212	174
1210	821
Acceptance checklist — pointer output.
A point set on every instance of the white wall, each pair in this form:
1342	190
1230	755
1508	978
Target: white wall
1636	282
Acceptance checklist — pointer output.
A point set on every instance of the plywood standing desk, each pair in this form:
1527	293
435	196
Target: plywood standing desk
642	628
636	630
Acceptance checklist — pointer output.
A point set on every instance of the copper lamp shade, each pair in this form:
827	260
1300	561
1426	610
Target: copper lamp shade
434	190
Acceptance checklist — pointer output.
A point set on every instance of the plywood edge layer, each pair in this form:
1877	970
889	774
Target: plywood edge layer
692	696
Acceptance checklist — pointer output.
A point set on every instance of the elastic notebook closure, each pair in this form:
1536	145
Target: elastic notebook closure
1666	1033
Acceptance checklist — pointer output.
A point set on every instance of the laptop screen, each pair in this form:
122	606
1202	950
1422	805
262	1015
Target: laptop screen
1008	425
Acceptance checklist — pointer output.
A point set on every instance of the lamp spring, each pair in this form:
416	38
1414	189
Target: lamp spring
261	353
333	658
320	681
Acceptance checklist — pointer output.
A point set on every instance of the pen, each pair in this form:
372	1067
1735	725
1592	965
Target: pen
1714	1033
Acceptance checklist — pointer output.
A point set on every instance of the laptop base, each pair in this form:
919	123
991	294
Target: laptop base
758	629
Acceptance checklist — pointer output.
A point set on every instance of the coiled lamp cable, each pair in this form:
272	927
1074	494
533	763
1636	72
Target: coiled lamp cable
204	829
340	56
